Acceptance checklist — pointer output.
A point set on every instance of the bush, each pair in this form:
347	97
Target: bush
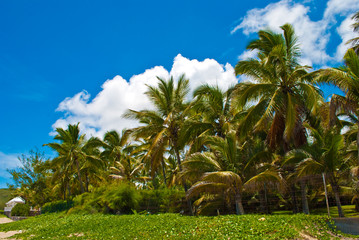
163	200
116	198
57	206
20	209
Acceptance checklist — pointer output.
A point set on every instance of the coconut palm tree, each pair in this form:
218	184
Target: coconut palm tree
215	172
72	150
323	155
161	127
347	79
113	144
280	90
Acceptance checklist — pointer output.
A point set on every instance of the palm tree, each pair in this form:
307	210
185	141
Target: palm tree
215	172
279	89
347	79
72	151
113	145
324	155
161	127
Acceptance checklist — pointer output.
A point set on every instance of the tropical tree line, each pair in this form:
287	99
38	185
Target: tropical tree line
264	138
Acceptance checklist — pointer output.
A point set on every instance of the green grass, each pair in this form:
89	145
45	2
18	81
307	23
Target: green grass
349	211
5	196
171	226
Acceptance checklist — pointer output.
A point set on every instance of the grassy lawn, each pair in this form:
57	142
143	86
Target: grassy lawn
171	226
349	211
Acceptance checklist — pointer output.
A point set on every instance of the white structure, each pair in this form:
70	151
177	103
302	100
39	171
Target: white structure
10	204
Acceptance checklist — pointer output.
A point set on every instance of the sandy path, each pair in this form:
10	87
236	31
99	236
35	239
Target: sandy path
5	235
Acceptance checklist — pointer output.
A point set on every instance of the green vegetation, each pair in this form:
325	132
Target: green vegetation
20	209
171	226
261	146
5	196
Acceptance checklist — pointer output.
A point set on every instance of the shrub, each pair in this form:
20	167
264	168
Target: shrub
116	198
20	210
162	200
57	206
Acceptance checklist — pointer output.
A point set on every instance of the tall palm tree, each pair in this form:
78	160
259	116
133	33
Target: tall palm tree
323	155
161	127
280	90
72	151
347	79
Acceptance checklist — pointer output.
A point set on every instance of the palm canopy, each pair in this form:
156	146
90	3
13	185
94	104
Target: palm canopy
347	79
113	144
211	115
283	90
215	172
323	155
74	151
161	127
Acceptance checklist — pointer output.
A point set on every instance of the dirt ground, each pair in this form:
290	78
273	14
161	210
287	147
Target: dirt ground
5	235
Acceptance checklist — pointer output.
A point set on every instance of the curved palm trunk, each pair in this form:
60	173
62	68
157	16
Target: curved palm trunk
239	205
79	175
303	188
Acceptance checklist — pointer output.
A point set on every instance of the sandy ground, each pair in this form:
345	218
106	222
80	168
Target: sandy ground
5	235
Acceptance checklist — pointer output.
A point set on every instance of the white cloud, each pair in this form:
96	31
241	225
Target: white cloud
7	161
248	54
346	33
105	111
313	35
340	7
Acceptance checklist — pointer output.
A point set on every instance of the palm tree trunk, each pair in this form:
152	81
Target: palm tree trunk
294	198
267	205
87	182
262	203
79	175
183	181
164	172
303	188
239	205
335	188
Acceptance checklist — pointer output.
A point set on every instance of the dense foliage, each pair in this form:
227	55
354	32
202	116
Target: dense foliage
173	226
57	206
124	199
20	209
262	145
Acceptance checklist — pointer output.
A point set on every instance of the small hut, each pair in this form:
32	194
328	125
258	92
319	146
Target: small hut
10	204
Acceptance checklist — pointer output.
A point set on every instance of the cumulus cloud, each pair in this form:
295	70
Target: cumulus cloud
248	54
346	33
340	7
105	111
313	35
7	161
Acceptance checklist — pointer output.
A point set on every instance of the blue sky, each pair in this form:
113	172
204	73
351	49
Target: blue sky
67	61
